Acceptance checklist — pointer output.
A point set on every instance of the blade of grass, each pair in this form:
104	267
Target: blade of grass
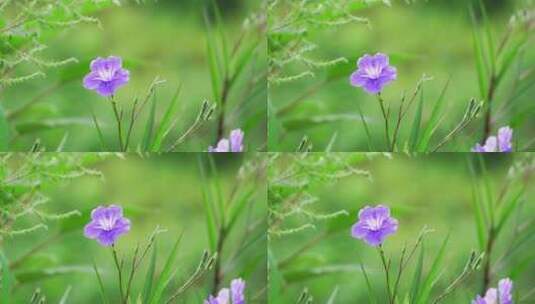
371	294
481	67
166	275
149	279
149	126
6	279
432	276
416	124
211	223
161	131
102	291
367	130
432	124
416	280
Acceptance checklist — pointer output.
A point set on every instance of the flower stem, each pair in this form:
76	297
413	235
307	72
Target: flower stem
118	266
387	273
119	124
385	116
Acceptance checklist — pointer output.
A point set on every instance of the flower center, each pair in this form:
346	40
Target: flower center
374	71
375	223
107	223
106	74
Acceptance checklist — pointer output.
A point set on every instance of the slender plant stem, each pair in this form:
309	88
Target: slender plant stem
119	271
385	116
488	114
387	273
224	97
218	274
487	275
119	123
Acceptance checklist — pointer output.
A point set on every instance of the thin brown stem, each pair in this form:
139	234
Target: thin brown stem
385	116
118	118
218	274
387	273
119	271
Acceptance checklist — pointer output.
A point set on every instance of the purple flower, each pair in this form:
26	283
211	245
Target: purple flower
106	76
373	73
237	288
236	294
234	144
374	225
500	143
504	294
107	224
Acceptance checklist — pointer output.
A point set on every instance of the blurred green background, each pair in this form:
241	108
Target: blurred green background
426	37
424	190
164	191
165	39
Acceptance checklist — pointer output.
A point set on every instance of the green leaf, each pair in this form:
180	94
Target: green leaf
371	294
481	67
49	124
6	279
33	275
149	126
166	275
149	279
367	130
415	131
275	280
99	131
4	131
434	120
416	280
274	128
164	126
314	121
100	284
507	209
432	276
209	207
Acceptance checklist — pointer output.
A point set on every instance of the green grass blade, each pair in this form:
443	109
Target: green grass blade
4	131
416	280
481	67
102	291
166	275
487	196
99	131
432	276
237	207
161	131
6	279
149	126
208	206
416	124
507	209
371	294
224	45
367	130
214	65
432	124
489	40
149	279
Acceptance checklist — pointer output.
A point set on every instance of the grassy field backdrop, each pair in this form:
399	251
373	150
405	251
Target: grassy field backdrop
425	37
433	191
156	191
165	39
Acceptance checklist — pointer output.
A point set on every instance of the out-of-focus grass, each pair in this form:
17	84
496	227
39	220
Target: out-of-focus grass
432	38
165	39
433	191
155	191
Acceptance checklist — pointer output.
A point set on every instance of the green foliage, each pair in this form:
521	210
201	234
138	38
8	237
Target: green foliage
25	27
289	26
290	178
22	177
